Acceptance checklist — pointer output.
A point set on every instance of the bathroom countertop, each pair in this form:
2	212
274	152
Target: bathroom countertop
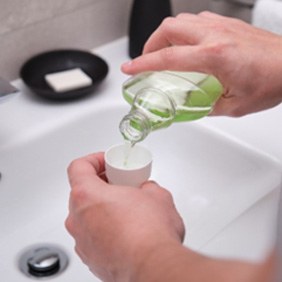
26	116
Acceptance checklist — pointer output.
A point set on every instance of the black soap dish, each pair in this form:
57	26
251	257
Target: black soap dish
34	70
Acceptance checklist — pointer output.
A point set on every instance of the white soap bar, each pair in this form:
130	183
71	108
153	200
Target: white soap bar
68	80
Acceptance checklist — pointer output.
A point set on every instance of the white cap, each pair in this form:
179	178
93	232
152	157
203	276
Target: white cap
126	165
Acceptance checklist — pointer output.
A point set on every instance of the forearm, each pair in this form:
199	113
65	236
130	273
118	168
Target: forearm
177	263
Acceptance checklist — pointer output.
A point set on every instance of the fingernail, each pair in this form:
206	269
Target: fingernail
126	65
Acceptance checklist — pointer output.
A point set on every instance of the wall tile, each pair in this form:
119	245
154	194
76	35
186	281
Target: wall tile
233	9
28	27
191	6
85	28
17	14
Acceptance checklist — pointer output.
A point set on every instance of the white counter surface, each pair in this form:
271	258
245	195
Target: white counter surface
26	116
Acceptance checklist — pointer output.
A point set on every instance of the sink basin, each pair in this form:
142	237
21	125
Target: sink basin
213	178
226	191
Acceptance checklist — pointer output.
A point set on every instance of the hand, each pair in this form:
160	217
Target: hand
246	60
116	228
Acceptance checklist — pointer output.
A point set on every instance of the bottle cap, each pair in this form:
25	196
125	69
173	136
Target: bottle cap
127	165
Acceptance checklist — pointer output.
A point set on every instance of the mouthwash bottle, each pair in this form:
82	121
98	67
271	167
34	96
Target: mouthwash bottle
161	98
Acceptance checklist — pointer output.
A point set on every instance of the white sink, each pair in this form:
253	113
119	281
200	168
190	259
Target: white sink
225	190
213	179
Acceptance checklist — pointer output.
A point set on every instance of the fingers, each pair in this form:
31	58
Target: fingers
235	107
174	31
182	43
177	45
84	172
178	58
157	191
184	29
210	15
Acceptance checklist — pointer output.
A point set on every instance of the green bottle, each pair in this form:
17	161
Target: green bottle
161	98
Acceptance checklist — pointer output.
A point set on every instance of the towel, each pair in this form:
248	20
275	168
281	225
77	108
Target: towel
267	14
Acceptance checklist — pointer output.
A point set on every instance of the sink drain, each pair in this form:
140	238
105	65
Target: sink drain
41	261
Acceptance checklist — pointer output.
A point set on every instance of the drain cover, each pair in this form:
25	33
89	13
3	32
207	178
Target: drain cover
43	260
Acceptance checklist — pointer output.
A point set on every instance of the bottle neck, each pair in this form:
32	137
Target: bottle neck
135	126
151	109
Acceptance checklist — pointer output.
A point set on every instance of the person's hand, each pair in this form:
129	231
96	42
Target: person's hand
246	60
117	228
129	234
